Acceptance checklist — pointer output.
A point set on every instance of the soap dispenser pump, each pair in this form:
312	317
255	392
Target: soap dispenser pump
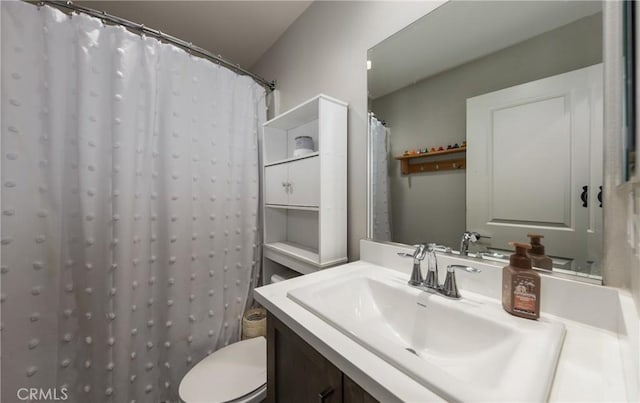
521	284
538	258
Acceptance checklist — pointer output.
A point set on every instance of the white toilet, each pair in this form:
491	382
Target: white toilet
236	373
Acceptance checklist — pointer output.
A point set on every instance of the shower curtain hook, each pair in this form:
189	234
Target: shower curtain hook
189	49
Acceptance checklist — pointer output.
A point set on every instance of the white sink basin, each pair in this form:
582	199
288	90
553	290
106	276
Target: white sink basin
464	350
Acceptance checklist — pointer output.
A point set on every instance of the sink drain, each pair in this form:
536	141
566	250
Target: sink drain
412	351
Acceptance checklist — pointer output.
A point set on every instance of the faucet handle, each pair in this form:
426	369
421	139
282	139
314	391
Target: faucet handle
450	286
452	267
442	248
418	255
421	251
475	236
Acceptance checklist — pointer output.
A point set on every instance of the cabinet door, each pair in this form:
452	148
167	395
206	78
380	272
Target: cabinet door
353	393
295	371
304	177
275	184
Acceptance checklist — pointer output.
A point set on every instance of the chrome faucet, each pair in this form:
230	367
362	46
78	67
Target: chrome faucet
432	268
418	256
450	286
467	237
431	284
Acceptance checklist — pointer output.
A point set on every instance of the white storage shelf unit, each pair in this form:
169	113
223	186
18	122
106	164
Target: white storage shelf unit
305	210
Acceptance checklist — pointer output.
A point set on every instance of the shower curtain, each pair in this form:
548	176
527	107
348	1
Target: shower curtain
381	222
129	208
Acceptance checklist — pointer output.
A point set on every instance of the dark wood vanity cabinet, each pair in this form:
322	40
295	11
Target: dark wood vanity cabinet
353	393
297	373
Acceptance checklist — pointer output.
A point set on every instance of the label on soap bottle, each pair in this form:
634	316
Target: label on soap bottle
524	296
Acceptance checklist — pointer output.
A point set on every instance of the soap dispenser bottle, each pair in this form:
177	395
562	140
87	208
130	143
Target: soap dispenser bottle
538	258
521	284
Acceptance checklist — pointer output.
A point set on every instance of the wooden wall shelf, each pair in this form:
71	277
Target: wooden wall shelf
408	168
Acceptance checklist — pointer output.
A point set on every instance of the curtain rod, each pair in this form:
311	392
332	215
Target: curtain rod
382	121
140	28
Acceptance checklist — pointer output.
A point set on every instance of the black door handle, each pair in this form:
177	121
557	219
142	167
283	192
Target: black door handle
600	196
584	196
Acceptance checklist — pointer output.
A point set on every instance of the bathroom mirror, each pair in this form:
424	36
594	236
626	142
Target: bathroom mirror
505	97
630	146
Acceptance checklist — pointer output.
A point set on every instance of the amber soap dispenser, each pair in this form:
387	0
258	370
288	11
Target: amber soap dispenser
521	284
538	258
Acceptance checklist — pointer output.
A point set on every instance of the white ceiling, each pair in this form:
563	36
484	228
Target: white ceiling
240	31
461	31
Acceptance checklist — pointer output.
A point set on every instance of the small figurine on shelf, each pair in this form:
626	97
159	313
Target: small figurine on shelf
449	147
456	145
433	149
405	153
413	152
440	148
464	143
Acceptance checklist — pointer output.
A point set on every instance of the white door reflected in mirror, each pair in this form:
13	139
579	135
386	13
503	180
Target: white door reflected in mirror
535	165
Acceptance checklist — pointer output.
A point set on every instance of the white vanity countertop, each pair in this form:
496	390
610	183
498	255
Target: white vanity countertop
591	366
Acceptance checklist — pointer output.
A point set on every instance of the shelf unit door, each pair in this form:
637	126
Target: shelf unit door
304	177
275	181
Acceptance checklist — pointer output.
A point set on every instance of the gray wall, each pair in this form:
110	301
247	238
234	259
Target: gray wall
325	51
432	112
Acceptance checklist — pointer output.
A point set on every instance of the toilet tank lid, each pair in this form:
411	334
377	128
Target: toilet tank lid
227	374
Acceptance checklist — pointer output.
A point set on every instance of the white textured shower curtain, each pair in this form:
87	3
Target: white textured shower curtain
380	197
129	207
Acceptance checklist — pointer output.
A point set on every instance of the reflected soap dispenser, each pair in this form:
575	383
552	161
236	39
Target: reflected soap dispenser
538	258
521	284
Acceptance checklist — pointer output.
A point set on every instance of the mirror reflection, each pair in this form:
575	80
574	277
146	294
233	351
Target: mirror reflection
486	119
